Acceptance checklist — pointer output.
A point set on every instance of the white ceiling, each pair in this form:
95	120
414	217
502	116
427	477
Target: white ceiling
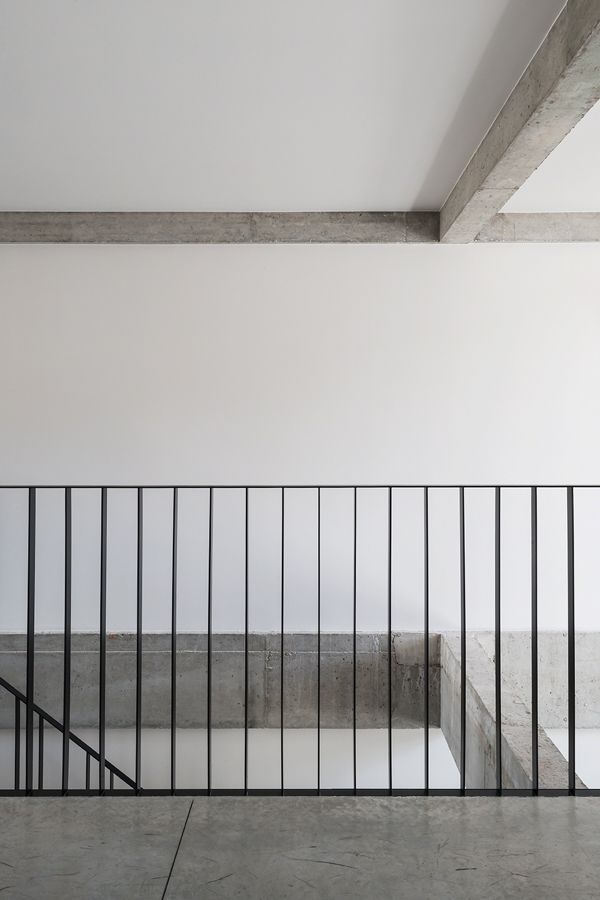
252	104
569	179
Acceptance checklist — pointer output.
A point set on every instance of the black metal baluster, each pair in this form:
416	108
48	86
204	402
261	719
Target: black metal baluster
426	635
319	641
463	648
138	647
535	778
571	634
498	644
282	627
174	642
17	744
40	753
209	645
87	771
66	745
389	630
102	703
30	640
246	623
354	563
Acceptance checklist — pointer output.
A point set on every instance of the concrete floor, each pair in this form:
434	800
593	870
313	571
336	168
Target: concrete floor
275	848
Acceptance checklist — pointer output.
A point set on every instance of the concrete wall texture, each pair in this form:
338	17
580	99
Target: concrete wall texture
227	693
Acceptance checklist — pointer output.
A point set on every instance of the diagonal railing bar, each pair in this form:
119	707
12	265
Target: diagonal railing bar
87	748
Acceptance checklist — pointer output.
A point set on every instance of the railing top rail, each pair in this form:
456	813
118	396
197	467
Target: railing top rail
292	486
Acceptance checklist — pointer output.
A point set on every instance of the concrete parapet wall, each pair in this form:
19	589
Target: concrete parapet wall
228	666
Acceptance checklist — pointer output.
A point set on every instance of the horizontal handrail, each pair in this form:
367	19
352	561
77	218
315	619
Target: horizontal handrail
294	487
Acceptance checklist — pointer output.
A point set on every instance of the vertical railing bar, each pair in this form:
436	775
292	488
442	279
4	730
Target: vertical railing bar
571	634
17	744
209	644
30	639
281	636
112	781
87	771
246	628
426	635
535	779
40	753
67	645
389	630
463	648
497	635
319	641
102	703
174	641
138	648
354	562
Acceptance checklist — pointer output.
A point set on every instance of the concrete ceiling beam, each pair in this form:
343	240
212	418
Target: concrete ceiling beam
560	85
541	228
219	227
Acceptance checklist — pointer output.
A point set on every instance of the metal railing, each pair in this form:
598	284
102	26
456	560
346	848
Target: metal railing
29	783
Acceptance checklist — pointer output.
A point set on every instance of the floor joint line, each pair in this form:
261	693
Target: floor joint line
164	893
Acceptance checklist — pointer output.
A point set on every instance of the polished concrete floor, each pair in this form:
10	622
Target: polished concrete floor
275	848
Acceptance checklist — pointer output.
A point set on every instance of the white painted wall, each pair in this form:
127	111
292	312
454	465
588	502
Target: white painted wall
322	364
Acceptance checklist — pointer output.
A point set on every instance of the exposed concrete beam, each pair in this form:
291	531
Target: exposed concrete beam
559	86
516	713
281	228
218	228
541	228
